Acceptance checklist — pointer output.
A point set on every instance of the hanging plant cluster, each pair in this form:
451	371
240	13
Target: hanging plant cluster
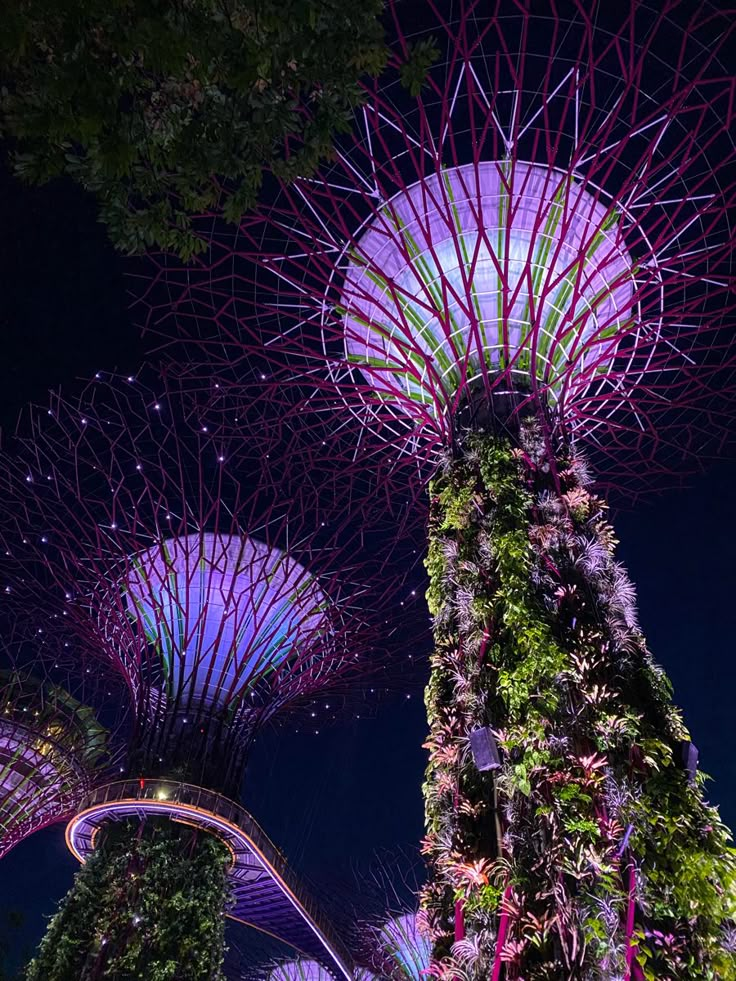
537	638
147	904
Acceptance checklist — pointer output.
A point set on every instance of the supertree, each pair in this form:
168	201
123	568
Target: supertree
227	592
398	949
375	914
522	257
387	936
54	747
401	947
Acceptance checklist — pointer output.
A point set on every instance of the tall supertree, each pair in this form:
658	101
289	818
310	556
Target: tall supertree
519	259
227	591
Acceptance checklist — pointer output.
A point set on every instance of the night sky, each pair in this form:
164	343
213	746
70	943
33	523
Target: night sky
335	798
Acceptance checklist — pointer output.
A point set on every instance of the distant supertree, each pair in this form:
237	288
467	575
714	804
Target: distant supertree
400	952
53	748
376	916
298	970
523	253
402	948
384	932
226	591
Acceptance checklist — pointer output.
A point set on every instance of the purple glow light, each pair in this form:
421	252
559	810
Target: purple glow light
407	945
222	612
301	970
39	783
52	749
485	267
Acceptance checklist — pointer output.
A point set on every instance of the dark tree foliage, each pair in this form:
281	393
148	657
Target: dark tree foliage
11	924
149	903
168	108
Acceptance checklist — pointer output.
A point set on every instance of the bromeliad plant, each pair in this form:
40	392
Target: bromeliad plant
595	849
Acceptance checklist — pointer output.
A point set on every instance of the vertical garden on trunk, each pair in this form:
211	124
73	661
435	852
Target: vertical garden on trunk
536	636
147	904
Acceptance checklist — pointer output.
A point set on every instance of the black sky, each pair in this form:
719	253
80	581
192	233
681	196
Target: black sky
331	799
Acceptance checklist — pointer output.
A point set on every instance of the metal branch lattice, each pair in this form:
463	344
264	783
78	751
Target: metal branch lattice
540	227
550	212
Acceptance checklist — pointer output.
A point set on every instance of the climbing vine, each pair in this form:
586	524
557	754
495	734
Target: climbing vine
149	903
600	855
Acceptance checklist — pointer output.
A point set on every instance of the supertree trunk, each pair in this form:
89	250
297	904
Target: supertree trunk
148	904
537	868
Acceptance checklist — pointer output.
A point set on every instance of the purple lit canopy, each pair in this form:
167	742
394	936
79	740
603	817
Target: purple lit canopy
305	970
501	266
404	942
220	586
51	749
223	612
548	210
299	970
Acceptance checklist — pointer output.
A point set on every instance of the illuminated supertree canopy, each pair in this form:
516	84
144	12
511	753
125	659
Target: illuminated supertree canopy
407	944
389	938
520	260
397	948
216	583
53	749
303	970
226	592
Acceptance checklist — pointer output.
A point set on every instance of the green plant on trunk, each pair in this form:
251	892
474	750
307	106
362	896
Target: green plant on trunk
149	903
536	637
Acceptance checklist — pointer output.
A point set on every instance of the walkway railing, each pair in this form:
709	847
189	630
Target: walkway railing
210	802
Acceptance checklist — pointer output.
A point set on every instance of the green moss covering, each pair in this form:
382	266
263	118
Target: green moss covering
149	904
